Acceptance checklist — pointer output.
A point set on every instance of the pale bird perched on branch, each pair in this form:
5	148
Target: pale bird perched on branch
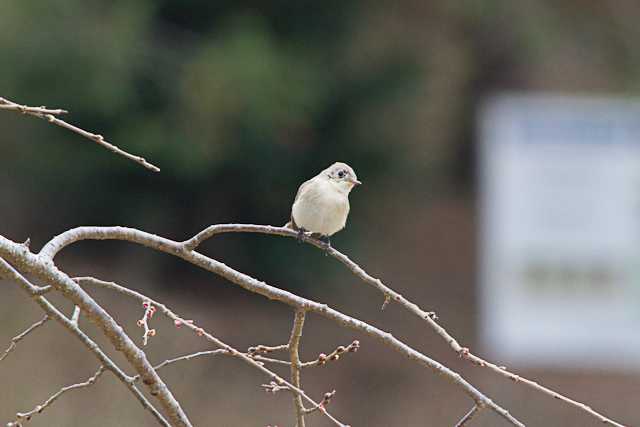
322	203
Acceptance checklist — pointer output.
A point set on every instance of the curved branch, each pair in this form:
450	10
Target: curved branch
7	270
253	285
391	295
46	271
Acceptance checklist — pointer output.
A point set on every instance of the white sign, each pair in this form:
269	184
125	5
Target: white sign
560	242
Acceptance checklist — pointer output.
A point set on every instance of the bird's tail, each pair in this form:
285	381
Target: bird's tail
291	225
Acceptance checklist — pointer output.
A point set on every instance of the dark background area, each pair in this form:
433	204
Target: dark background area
240	102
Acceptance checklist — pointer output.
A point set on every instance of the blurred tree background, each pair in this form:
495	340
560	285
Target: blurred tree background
239	102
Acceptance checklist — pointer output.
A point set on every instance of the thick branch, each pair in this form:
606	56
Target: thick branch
12	274
50	116
253	285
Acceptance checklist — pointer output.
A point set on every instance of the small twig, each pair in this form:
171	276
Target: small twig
75	317
385	303
468	416
42	290
5	104
274	388
326	399
220	351
321	360
50	116
268	359
334	355
265	349
26	416
149	311
294	345
185	358
18	338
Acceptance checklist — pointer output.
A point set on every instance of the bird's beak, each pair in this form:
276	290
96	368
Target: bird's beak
355	181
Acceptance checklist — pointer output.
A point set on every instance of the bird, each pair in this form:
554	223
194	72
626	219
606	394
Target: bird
321	205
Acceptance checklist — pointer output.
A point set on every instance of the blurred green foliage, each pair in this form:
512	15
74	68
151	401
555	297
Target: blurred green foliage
240	102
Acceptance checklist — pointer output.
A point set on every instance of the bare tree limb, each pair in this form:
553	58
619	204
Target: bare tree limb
253	285
75	317
220	351
26	416
15	340
8	271
334	355
294	345
391	295
179	321
321	360
322	405
149	311
50	116
469	416
48	273
265	349
7	105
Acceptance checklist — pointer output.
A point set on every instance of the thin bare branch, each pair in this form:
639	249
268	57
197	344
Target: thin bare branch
186	357
253	285
75	317
8	271
7	105
149	311
274	387
50	116
15	340
326	399
265	349
322	358
179	322
268	359
42	290
49	273
294	345
469	416
391	295
26	416
21	417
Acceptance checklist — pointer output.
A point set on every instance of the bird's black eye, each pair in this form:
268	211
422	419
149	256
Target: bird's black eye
341	174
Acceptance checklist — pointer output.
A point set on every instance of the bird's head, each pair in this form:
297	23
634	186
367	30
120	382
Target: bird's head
342	176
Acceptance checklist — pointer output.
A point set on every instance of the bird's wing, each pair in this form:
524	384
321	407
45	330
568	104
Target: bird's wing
301	190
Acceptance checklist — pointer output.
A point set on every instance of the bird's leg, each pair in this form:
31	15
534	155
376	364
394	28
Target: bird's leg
327	243
301	232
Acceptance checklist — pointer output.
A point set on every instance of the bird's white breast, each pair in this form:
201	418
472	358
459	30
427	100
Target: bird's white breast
321	208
